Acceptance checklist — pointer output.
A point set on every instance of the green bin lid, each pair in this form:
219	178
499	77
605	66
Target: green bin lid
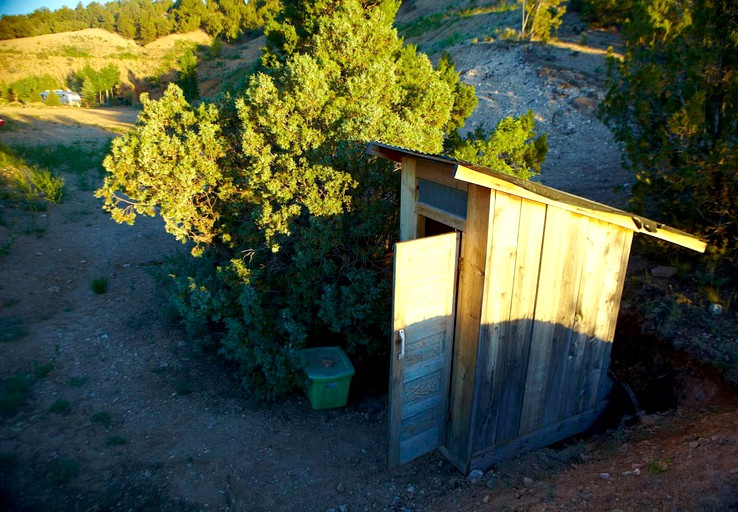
326	363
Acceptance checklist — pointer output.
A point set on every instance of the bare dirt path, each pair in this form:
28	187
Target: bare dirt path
64	125
123	414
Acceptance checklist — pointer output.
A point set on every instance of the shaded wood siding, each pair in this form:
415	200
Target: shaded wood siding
551	297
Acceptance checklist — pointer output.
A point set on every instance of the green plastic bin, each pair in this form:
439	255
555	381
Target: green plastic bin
329	373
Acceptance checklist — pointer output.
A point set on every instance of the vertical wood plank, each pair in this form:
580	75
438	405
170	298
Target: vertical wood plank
549	286
614	240
565	315
495	353
472	274
594	247
522	312
408	198
559	242
605	384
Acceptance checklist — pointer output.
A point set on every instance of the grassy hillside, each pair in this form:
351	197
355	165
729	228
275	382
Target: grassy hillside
143	68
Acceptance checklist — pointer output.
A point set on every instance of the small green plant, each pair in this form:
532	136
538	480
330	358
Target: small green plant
74	52
11	329
182	388
114	441
42	370
508	33
216	47
102	418
13	392
6	246
63	471
60	406
77	382
47	185
656	467
99	285
712	294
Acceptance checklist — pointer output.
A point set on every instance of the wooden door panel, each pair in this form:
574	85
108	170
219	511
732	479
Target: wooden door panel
423	314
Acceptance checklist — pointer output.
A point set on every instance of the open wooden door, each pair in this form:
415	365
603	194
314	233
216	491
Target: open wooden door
424	307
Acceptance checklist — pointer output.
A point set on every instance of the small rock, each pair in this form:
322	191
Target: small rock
694	444
104	336
343	508
663	272
410	489
54	289
584	103
605	476
528	482
340	488
647	419
627	473
637	472
475	476
715	308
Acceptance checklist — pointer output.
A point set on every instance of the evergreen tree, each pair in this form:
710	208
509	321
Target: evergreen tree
52	100
233	11
293	220
188	75
213	19
188	15
513	148
541	17
673	102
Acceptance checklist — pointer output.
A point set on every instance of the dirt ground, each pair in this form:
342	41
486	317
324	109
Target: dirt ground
123	415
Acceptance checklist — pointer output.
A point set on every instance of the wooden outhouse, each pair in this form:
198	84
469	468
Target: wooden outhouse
506	295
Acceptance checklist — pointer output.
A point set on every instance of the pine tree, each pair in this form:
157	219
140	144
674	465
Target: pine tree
673	102
52	100
188	75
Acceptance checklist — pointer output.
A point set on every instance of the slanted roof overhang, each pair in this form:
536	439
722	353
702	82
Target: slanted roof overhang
496	180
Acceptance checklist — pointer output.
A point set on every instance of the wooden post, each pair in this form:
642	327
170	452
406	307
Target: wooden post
468	314
408	198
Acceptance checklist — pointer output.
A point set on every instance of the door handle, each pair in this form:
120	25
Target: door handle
401	355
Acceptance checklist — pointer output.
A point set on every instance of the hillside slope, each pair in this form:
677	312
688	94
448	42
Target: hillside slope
61	54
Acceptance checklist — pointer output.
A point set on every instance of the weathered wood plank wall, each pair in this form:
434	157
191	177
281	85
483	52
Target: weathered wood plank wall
552	292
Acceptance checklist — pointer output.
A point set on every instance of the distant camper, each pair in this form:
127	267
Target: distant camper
70	98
